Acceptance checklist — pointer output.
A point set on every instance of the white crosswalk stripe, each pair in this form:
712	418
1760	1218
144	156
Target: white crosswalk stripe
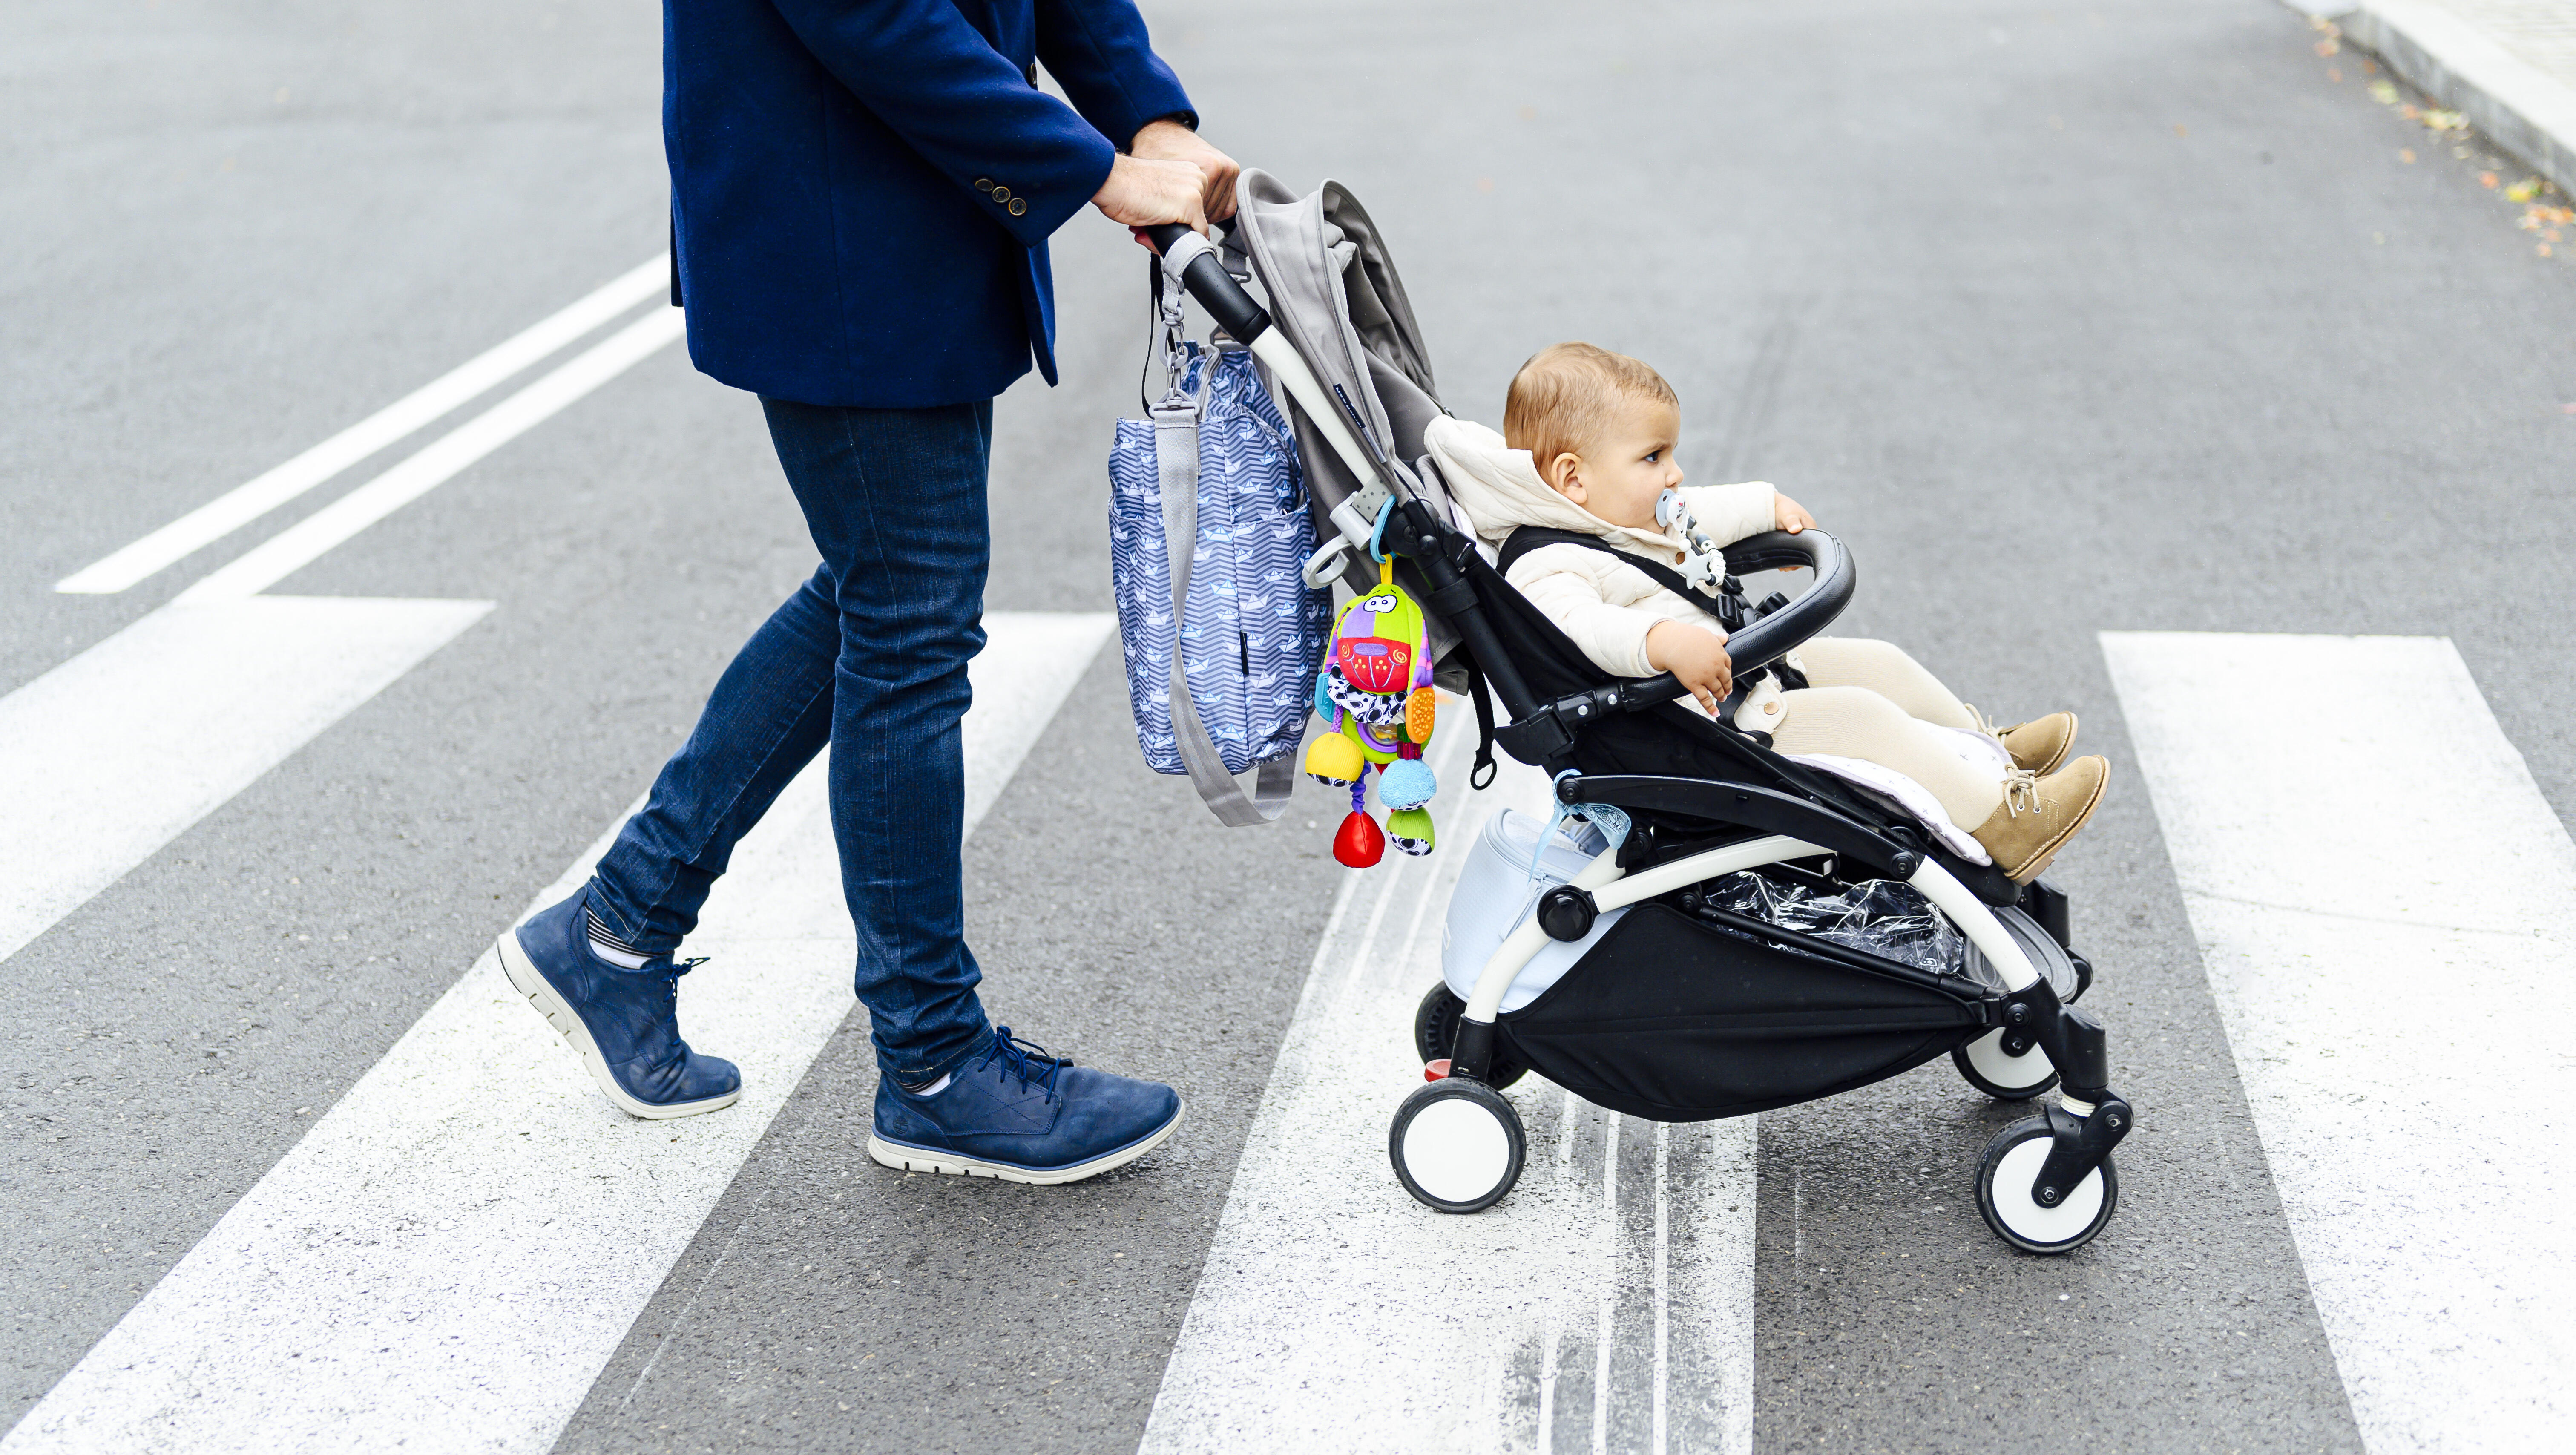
164	722
2386	908
390	425
1605	1305
452	1254
118	751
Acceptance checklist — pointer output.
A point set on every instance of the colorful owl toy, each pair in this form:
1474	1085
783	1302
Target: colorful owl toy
1375	694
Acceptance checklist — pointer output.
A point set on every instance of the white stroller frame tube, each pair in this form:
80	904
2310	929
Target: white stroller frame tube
1184	248
1978	923
1280	357
1611	888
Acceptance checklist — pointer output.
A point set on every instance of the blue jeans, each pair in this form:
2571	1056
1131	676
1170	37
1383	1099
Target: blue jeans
869	656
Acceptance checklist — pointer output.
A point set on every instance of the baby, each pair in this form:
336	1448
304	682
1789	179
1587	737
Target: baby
1587	446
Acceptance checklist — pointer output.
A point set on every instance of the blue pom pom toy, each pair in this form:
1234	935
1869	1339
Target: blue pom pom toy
1406	783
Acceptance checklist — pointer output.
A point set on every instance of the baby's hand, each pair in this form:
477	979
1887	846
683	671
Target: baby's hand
1789	515
1694	655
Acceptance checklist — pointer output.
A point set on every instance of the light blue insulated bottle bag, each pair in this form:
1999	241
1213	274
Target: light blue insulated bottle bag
1208	528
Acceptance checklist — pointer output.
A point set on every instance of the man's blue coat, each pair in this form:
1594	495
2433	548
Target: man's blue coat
861	190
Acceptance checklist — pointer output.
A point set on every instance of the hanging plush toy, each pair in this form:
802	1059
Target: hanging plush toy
1375	694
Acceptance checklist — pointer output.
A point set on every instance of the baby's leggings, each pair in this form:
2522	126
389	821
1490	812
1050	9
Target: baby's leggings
1871	701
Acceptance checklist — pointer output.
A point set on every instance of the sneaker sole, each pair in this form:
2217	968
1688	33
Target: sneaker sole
904	1157
528	981
2047	855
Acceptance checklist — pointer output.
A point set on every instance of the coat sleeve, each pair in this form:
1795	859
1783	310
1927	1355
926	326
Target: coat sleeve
1614	637
932	77
1729	513
1098	51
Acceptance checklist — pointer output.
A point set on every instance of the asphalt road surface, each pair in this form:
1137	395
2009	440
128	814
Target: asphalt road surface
2071	320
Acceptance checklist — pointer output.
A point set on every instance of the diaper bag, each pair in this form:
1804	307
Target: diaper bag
1208	528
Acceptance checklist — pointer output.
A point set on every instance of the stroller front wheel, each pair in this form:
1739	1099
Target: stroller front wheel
1457	1146
2013	1160
2006	1065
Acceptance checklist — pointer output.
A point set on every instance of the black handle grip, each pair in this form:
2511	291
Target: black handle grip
1775	636
1207	281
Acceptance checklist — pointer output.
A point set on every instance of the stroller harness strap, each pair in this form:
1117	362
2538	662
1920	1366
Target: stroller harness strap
1726	737
1531	537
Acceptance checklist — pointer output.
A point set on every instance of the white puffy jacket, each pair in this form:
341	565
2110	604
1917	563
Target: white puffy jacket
1605	607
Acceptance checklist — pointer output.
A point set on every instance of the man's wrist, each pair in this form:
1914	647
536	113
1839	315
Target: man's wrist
1186	120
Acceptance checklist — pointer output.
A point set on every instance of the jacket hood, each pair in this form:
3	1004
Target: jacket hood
1500	490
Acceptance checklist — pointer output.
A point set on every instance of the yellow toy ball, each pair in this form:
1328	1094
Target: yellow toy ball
1334	761
1421	710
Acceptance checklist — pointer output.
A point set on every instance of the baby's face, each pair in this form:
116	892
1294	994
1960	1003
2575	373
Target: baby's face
1622	473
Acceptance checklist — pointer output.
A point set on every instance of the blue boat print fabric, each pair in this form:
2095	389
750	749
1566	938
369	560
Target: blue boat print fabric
1255	632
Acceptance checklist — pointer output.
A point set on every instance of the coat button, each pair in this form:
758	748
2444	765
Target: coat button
1032	73
983	184
1019	207
1001	194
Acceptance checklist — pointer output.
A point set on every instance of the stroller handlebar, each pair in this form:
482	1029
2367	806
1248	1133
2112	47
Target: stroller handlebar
1775	636
1193	263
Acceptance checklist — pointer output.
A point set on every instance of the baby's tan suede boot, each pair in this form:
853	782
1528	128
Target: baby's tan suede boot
2040	814
2039	744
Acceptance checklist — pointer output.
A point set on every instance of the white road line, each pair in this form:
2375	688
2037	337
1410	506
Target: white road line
119	750
245	503
452	1254
2386	908
300	544
1335	1313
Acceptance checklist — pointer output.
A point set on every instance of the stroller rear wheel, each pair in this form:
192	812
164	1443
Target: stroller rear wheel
1435	1029
2004	1179
1457	1146
2006	1065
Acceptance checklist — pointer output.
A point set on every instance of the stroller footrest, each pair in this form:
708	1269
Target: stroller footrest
1750	807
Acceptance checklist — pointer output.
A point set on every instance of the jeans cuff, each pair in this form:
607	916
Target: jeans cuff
595	901
917	1070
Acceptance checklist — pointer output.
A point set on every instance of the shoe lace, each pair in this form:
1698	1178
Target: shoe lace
1984	723
2021	792
671	981
1024	1059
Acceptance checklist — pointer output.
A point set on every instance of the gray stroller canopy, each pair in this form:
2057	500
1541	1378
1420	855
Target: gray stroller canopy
1333	290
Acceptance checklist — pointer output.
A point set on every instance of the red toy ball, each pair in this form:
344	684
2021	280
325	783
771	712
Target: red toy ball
1360	842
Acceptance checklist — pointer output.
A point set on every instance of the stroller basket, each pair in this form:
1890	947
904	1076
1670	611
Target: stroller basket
1682	1010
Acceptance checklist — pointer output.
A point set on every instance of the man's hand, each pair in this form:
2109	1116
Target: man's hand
1789	515
1169	141
1696	656
1142	193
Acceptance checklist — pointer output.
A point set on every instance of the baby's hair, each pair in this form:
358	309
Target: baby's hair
1567	393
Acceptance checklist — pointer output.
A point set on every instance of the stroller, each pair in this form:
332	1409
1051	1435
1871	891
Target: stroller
1687	1008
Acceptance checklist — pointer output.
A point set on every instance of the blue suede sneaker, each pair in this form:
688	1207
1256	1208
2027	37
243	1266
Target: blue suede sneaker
1016	1113
625	1023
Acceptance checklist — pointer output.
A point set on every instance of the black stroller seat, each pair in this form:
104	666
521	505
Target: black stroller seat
1685	1008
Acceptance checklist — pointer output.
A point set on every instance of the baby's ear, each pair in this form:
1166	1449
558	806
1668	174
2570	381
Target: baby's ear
1559	473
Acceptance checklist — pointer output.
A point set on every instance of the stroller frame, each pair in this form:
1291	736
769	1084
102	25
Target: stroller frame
2046	1183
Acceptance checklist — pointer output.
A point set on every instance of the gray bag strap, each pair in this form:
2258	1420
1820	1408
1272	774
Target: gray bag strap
1176	456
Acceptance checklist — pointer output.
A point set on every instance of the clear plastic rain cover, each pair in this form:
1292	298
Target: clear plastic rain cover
1885	917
